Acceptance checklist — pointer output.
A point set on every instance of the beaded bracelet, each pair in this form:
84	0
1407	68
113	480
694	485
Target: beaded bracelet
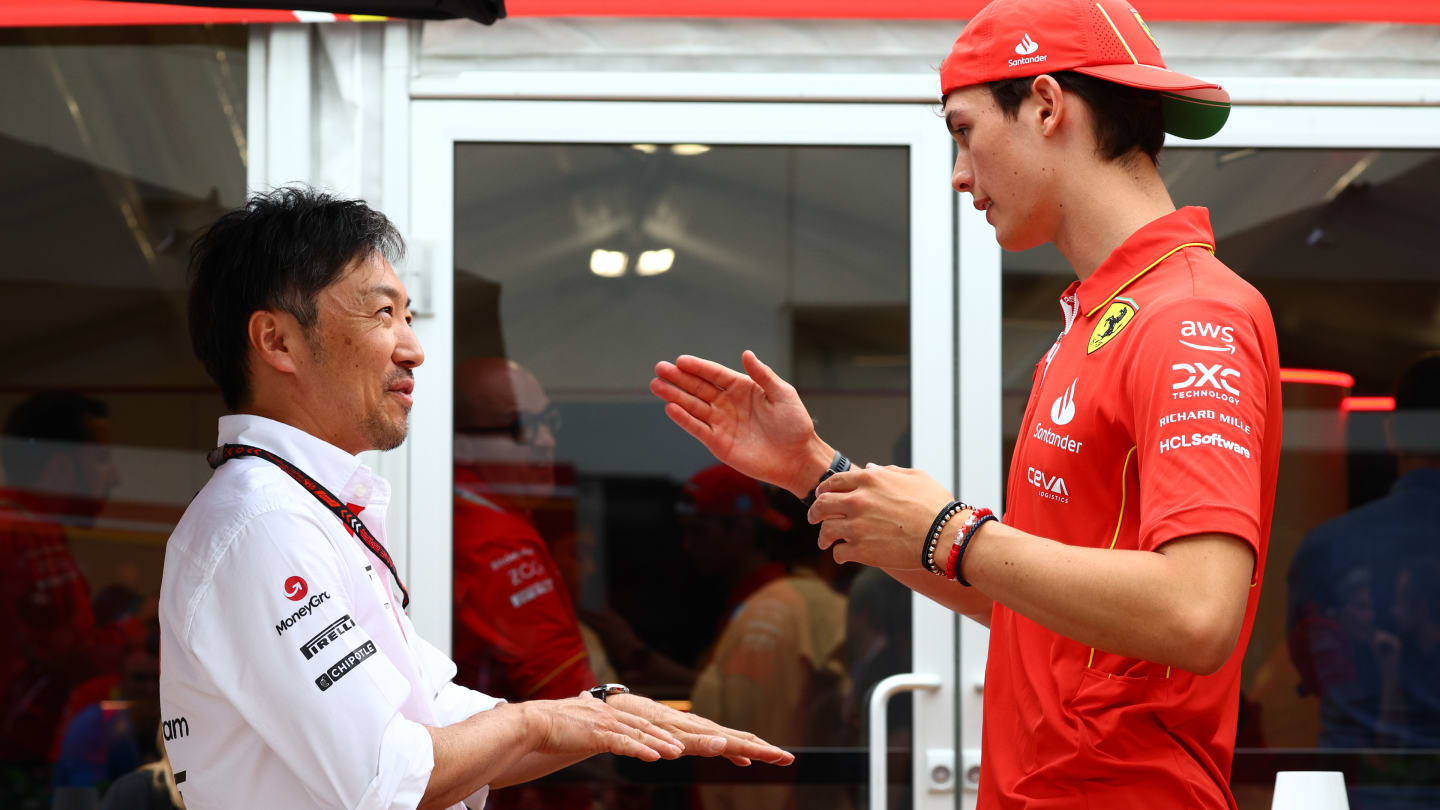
962	541
932	539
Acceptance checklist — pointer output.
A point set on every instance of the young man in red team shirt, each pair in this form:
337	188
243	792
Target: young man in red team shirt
1121	585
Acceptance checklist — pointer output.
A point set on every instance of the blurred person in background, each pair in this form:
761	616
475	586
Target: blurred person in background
1364	602
777	663
515	630
58	474
111	736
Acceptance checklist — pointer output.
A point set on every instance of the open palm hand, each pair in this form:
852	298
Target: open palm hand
754	422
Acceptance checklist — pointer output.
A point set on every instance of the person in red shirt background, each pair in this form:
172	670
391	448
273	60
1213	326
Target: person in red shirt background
1122	583
58	473
515	628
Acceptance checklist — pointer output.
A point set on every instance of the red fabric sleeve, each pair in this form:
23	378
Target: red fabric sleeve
512	605
1199	387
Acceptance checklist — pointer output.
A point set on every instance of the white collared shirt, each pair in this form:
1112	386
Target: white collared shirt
289	675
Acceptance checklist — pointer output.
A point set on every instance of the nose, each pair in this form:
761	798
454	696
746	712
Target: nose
408	352
962	179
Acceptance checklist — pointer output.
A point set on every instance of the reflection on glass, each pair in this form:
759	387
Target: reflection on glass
593	539
1342	657
117	145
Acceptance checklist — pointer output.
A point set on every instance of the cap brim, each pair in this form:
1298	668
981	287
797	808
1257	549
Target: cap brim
1193	108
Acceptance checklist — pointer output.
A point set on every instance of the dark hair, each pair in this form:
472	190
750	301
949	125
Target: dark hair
278	252
1416	425
1126	118
40	421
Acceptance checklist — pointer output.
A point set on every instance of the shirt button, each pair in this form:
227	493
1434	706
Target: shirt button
361	490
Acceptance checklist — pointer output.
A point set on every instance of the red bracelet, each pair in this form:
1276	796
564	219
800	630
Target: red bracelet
967	531
955	546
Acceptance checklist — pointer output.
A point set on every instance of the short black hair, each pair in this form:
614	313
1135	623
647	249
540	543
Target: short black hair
1126	118
1416	425
278	252
35	426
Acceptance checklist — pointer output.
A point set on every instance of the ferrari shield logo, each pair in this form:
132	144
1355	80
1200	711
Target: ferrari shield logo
1144	27
1115	319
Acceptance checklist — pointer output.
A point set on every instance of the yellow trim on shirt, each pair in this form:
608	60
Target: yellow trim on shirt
572	661
1148	268
1119	521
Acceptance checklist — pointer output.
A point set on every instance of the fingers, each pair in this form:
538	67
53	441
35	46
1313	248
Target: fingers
769	381
707	370
693	384
740	747
702	432
830	506
646	731
842	482
694	405
627	746
832	532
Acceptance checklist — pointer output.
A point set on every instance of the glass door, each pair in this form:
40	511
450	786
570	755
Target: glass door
561	249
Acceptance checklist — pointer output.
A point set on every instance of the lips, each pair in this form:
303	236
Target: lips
403	390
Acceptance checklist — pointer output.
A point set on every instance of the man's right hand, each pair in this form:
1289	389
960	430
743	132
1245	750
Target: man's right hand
582	726
755	424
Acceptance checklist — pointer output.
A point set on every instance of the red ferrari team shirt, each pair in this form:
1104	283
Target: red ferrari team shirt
515	629
1155	416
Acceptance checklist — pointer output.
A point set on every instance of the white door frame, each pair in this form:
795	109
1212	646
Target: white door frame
436	126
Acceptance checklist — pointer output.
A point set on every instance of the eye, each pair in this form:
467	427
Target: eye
386	311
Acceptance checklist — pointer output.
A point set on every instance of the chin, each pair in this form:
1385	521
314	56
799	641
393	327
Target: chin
1017	240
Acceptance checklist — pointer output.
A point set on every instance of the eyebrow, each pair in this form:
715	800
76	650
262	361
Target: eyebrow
387	291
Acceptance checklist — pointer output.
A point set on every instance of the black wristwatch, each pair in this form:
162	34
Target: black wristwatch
838	464
605	690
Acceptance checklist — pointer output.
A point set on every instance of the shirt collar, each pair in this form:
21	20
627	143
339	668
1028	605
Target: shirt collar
338	471
1139	254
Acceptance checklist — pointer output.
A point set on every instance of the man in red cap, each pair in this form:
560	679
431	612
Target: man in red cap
1122	583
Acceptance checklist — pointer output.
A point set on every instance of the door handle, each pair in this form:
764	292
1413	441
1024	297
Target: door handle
879	716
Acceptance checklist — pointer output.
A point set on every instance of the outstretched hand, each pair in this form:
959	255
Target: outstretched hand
703	737
754	422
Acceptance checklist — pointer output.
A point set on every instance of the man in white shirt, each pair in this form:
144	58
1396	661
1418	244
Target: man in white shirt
290	674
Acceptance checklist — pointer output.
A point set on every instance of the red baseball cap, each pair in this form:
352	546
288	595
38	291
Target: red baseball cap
723	492
1107	39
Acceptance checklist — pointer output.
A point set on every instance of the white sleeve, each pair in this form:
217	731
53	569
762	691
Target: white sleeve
453	702
309	680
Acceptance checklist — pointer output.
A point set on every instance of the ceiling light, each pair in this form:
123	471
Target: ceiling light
689	149
608	263
655	262
646	148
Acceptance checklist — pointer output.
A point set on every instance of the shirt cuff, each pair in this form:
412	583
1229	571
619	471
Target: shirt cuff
454	703
407	758
476	800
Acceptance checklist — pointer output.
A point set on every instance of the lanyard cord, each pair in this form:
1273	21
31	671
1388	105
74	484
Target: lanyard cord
224	453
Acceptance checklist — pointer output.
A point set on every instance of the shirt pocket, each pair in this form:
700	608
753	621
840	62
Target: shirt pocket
1115	717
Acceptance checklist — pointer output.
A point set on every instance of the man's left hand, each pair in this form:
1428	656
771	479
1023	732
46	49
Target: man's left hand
878	516
702	737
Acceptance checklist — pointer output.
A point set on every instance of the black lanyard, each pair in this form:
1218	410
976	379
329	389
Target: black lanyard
224	453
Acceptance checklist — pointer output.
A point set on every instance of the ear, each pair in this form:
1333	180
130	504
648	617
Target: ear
1050	102
276	338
